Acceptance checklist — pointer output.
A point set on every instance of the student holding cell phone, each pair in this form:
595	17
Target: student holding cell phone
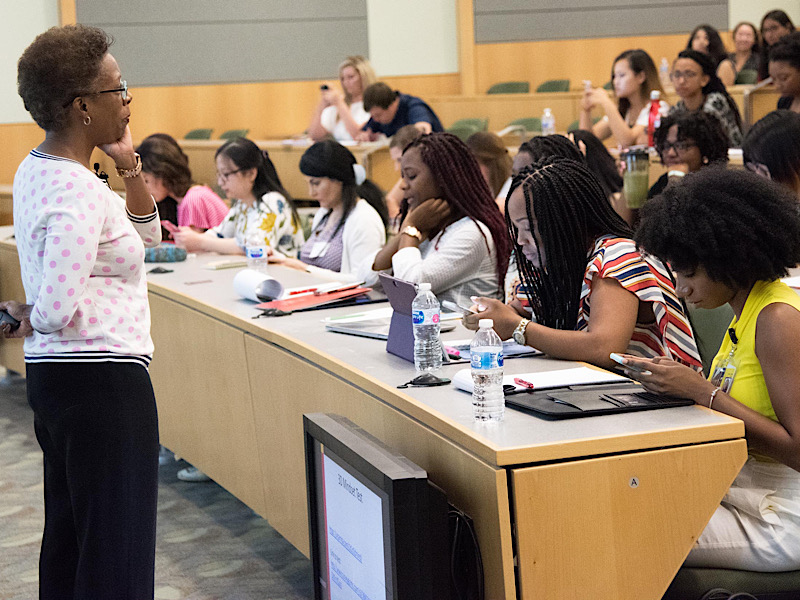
590	290
729	235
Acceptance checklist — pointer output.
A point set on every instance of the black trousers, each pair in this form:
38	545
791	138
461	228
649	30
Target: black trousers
97	426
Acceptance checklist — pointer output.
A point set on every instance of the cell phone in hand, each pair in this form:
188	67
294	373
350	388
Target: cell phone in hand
169	226
7	318
618	358
457	308
324	86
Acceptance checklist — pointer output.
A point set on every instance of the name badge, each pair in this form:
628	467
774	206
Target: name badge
318	249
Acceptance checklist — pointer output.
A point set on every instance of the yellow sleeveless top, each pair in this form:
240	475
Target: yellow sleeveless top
749	386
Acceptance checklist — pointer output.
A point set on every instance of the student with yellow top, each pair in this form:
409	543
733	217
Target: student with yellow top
729	236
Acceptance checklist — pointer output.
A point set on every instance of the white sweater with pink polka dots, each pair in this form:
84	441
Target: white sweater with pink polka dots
81	255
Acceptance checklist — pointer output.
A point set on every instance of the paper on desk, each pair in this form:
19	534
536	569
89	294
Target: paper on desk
546	379
510	348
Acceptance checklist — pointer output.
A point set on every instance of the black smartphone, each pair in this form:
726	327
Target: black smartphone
324	86
7	318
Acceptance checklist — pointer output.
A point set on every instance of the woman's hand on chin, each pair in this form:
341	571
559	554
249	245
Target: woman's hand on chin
121	151
430	216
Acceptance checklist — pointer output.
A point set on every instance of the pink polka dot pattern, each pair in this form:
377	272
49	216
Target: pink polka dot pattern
82	259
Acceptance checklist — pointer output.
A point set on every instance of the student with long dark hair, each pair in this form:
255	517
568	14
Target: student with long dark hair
772	148
695	78
616	300
452	233
350	225
705	39
729	236
262	211
542	147
634	76
747	54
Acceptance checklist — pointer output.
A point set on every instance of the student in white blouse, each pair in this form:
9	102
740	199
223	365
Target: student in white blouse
342	115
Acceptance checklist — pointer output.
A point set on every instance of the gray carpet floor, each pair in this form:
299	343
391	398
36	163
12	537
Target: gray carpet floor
210	545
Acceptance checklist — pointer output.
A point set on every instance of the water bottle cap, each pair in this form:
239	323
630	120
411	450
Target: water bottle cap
424	287
486	323
547	110
655	95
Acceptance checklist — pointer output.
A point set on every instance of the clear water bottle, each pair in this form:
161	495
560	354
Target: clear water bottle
486	358
663	73
257	253
425	319
548	122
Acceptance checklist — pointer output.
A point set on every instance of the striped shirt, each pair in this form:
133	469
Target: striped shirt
670	334
201	208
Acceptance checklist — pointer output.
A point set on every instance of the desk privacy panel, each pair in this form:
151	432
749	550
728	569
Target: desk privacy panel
538	20
181	42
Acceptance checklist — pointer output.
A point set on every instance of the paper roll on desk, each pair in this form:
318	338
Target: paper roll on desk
257	286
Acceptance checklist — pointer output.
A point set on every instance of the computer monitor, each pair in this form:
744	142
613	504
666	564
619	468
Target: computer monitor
378	527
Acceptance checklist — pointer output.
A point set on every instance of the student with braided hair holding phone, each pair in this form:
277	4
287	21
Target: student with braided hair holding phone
452	234
590	290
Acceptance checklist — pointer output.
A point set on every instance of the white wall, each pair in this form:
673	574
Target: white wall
754	10
20	22
413	37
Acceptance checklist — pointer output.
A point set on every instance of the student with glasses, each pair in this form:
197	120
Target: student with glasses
262	211
86	321
694	76
687	142
774	25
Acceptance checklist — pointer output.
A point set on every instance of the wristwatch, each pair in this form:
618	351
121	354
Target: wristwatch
519	332
412	231
134	172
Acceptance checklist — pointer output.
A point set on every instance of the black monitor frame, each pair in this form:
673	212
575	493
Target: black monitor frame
416	549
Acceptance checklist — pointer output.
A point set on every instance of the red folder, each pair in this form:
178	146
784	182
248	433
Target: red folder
299	302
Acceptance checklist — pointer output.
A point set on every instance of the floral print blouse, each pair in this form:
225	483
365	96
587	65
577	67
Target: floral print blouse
269	220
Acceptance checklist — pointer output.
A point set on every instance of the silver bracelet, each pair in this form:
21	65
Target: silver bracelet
713	395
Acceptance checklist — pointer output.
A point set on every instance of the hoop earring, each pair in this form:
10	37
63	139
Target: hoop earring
87	120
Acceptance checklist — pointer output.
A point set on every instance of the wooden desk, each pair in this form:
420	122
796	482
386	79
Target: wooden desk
231	391
286	157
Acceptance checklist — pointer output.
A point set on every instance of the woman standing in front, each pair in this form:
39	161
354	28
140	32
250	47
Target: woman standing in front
86	322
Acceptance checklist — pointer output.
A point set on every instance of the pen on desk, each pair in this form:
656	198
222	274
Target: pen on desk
522	383
453	352
196	282
305	291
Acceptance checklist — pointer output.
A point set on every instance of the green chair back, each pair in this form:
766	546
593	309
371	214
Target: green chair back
746	77
709	326
510	87
198	134
463	131
234	133
554	85
529	123
478	124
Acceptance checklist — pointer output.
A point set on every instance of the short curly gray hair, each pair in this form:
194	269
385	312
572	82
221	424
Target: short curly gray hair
58	66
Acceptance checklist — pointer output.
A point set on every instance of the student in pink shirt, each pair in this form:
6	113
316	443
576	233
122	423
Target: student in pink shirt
166	172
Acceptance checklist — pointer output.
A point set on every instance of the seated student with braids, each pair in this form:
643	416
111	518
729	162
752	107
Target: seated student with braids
616	300
729	236
452	234
542	147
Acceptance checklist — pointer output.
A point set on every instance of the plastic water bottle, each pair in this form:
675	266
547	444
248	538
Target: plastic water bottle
654	116
425	319
663	73
548	122
257	254
486	358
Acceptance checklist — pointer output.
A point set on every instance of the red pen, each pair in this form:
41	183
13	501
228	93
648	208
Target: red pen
523	383
306	291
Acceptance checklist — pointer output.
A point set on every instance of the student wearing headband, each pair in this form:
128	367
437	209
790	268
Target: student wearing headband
351	222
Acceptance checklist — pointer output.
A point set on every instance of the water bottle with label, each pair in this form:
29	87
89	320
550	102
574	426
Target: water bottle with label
257	254
486	358
425	319
663	73
548	122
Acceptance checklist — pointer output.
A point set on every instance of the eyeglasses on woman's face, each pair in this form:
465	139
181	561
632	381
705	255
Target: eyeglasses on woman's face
685	75
223	175
681	146
122	89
